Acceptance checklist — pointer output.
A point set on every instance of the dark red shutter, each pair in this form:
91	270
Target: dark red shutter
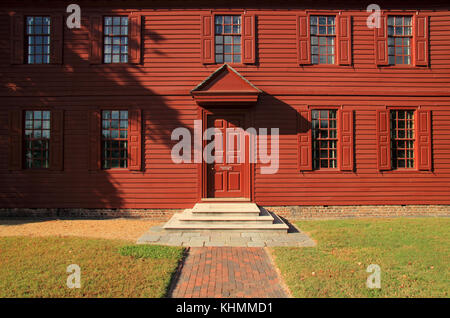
57	140
424	156
135	140
17	39
304	141
249	39
135	39
346	140
56	41
344	40
421	40
15	140
381	45
383	140
94	140
303	40
207	39
95	39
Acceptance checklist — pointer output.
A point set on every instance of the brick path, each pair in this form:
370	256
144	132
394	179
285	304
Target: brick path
227	272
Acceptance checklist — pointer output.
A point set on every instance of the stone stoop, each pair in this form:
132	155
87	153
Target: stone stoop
236	216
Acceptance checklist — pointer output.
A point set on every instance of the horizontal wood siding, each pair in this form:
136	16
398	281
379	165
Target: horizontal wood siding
159	86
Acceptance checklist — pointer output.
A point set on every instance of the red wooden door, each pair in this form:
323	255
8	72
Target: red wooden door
227	177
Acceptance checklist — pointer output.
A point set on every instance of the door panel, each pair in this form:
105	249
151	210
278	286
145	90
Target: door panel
226	177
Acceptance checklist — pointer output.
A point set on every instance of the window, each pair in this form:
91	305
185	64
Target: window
324	135
399	39
115	45
402	138
38	40
228	38
114	139
37	138
323	34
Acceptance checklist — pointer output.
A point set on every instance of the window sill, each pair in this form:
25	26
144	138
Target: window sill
405	171
326	171
325	65
401	67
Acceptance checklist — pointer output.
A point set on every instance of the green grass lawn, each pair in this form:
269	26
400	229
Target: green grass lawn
413	254
36	267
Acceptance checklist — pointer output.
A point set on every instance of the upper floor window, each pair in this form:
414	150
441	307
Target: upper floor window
323	38
37	138
114	139
324	135
115	41
38	40
402	138
399	39
227	39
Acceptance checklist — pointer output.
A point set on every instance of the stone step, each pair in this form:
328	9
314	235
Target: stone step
263	218
232	207
188	221
176	225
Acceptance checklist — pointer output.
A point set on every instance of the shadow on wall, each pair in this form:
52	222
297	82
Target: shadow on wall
78	87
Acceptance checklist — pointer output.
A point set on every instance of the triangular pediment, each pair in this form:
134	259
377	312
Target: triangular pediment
225	86
228	79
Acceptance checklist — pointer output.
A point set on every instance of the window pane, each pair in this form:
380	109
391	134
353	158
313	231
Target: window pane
37	40
115	31
231	52
114	136
36	138
324	138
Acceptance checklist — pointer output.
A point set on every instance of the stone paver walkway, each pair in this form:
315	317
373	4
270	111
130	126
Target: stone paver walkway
157	235
227	272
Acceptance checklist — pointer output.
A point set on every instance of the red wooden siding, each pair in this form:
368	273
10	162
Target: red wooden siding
176	54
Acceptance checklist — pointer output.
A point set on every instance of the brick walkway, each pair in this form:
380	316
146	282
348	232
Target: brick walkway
227	272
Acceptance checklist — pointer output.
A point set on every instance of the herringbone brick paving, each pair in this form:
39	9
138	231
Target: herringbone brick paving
227	272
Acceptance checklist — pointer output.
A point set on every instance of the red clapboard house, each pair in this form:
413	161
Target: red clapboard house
87	114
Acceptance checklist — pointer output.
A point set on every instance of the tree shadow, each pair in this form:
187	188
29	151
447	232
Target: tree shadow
77	87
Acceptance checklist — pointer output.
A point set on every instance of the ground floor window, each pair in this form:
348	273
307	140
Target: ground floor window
402	138
324	135
114	139
37	138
